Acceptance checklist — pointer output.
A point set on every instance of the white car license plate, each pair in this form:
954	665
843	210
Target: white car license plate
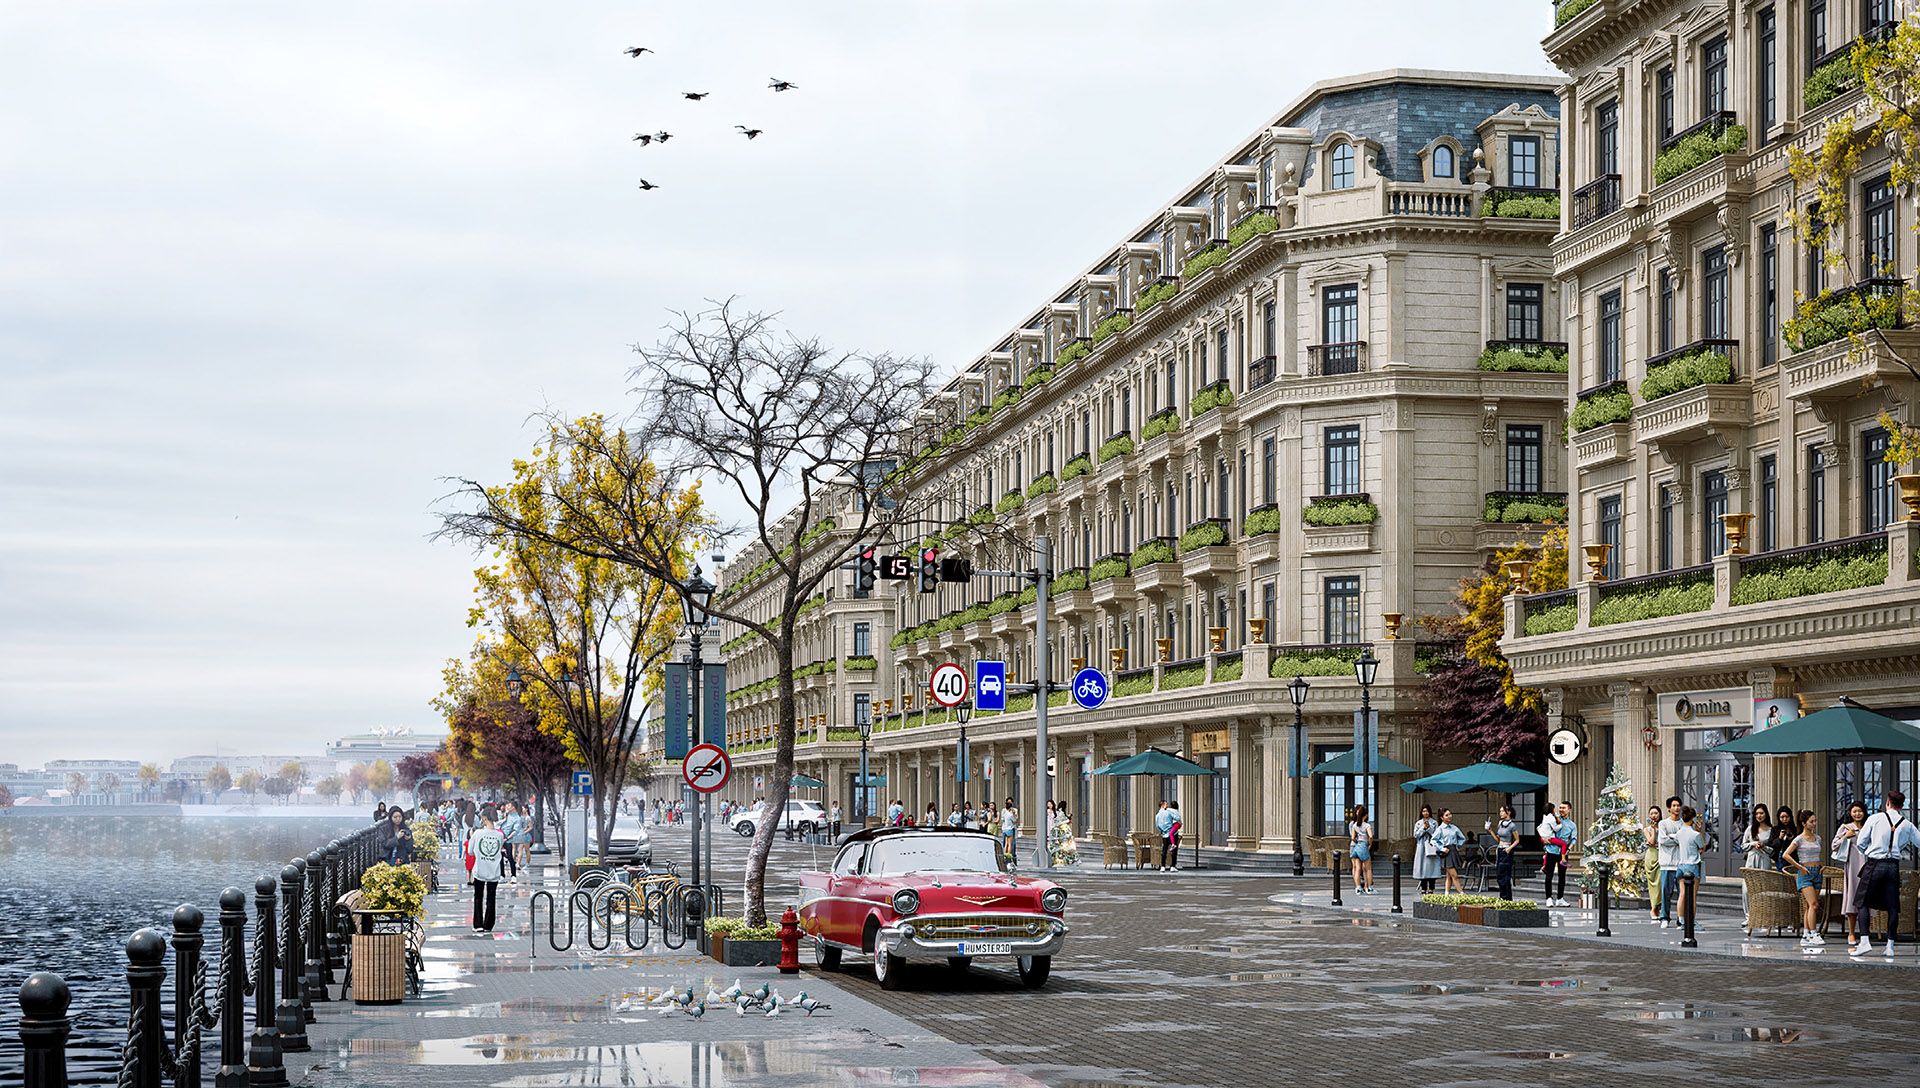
985	948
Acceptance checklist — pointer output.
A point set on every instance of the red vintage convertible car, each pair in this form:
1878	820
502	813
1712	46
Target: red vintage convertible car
900	893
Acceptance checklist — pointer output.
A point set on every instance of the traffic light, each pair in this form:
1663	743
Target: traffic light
864	573
956	570
929	569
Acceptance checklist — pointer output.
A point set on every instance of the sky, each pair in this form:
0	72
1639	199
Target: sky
271	273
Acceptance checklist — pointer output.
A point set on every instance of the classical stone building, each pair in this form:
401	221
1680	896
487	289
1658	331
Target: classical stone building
1729	471
1266	429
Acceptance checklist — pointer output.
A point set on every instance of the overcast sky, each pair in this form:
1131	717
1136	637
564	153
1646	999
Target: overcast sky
268	272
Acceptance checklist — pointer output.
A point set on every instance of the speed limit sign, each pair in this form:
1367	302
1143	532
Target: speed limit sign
949	685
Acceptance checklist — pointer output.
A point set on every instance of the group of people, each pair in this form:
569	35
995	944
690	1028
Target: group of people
1438	849
1675	840
493	841
1867	849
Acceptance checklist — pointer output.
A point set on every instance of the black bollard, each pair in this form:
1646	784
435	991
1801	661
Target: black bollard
1396	885
336	941
1605	869
146	970
263	1060
290	1016
695	904
1686	939
44	1028
187	943
316	929
1336	878
233	990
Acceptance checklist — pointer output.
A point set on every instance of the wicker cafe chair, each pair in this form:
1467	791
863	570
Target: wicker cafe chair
1318	854
1113	850
1146	848
1772	903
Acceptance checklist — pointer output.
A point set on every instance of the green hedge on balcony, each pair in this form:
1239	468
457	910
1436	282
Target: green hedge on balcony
1675	375
1335	511
1672	598
1512	509
1154	295
1205	259
1182	676
1035	379
1537	360
1007	399
1207	534
1553	620
1072	581
1042	484
1217	395
1165	421
1117	446
1320	663
1252	227
1153	551
1814	574
1079	349
1012	500
1566	12
1111	566
1133	685
1265	520
1600	409
1517	206
862	663
1826	318
1229	670
1697	150
1111	324
1076	468
1828	82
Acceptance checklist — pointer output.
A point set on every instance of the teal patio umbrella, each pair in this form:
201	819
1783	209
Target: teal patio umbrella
1153	761
804	782
1492	777
1846	726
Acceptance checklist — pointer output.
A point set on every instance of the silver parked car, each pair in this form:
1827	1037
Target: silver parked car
629	840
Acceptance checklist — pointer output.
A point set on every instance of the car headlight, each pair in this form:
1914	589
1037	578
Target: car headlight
1054	900
906	901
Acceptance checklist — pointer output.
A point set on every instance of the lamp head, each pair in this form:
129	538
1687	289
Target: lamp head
1297	691
698	598
1366	668
865	726
965	710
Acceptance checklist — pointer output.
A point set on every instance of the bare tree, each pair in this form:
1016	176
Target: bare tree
783	428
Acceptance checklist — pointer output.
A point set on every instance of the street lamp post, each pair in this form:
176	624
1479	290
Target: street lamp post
865	726
1297	691
963	764
698	597
1364	670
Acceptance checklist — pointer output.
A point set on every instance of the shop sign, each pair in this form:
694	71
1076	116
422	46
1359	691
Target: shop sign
1209	741
1727	707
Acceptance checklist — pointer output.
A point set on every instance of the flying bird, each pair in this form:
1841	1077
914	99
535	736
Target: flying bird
645	185
643	138
749	133
695	95
780	84
663	137
637	50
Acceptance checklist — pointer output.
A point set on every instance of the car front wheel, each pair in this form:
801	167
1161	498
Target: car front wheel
887	967
745	829
1034	969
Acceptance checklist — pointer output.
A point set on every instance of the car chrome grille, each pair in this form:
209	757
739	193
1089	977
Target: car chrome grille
984	927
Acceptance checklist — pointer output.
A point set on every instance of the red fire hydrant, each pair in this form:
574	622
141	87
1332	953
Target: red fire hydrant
789	943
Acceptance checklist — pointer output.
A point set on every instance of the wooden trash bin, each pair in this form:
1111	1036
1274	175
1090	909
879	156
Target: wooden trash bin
379	957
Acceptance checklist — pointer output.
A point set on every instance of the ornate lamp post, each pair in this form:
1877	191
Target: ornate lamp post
865	726
696	600
1297	691
964	762
1364	670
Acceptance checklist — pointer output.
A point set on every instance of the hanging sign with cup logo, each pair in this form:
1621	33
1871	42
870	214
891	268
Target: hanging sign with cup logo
1722	709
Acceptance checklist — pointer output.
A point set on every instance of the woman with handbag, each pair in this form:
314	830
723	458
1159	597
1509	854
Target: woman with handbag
1360	838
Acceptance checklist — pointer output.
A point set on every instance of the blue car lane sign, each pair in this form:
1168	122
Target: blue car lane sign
990	685
1089	688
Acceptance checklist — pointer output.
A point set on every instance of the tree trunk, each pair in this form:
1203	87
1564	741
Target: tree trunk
777	790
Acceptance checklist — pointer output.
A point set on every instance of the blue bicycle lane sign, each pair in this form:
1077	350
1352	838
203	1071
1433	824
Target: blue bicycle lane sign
1090	688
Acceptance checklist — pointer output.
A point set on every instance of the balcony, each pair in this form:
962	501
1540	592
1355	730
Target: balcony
1844	368
1158	577
1425	199
1691	414
1697	145
1261	372
1602	445
1596	200
1712	125
1349	357
1114	591
1521	202
1204	551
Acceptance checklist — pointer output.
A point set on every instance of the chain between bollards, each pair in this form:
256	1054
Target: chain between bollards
1336	878
1396	886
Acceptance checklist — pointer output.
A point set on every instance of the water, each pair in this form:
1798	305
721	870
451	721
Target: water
75	884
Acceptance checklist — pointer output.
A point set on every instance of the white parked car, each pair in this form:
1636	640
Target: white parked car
801	816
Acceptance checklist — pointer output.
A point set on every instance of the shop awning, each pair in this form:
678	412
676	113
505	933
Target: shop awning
1492	777
1153	761
1845	726
1344	764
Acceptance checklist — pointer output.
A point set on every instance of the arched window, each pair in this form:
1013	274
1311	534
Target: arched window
1342	167
1443	162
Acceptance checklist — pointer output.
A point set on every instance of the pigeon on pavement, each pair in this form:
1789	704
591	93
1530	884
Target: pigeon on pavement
696	1011
810	1005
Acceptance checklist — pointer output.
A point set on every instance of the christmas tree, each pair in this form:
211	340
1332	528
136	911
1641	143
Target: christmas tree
1616	836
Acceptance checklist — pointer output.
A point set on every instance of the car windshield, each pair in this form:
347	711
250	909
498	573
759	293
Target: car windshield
933	854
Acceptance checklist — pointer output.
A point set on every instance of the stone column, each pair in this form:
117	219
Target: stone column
1244	774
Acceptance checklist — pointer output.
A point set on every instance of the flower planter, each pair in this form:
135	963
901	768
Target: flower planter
1482	916
1434	913
425	869
1909	485
744	953
1470	916
1515	919
379	957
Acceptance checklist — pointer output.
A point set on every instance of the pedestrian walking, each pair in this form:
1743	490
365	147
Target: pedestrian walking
487	845
1558	832
1448	839
1846	851
1688	841
1009	829
1754	842
1650	860
1163	822
1804	855
1506	839
393	843
1782	837
520	843
1667	837
1360	840
834	819
1426	864
1883	839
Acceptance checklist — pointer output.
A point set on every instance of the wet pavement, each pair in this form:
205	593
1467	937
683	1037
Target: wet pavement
1166	982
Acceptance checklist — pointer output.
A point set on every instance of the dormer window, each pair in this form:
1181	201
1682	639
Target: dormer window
1443	162
1340	176
1523	162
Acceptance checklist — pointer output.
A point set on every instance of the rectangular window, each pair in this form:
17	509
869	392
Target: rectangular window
1606	138
1769	503
1663	101
1877	218
1877	486
1268	603
1769	70
1220	353
1666	527
1219	215
1879	14
1173	400
1713	76
1126	409
1713	495
1269	465
1816	495
1716	316
1816	33
1050	461
1816	253
1341	175
1267	326
1343	461
862	639
1666	309
1610	345
1523	312
1523	161
1343	610
1610	533
1222	487
1769	294
1340	314
1266	180
862	708
1523	458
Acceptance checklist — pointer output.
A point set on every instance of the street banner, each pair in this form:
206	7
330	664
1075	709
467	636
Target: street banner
673	710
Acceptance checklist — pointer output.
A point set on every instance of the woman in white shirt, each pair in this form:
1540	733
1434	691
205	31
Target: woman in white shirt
1426	863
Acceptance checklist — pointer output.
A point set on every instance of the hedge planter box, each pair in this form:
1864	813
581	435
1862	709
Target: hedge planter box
745	953
1482	916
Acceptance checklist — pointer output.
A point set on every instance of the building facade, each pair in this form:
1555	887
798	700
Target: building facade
1263	432
1739	537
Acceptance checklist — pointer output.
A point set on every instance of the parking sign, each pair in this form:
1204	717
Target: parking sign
990	685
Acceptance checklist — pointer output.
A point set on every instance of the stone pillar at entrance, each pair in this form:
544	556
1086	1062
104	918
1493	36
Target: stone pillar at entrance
1243	776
